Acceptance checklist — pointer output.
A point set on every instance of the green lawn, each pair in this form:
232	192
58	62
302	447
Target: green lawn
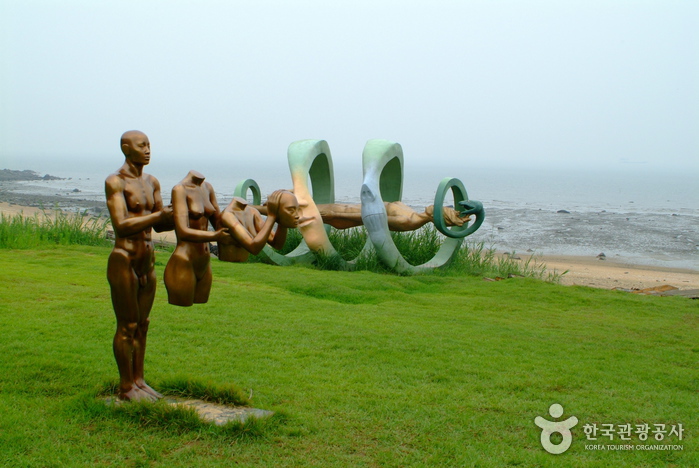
365	369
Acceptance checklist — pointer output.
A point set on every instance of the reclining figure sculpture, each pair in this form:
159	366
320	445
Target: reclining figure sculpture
381	209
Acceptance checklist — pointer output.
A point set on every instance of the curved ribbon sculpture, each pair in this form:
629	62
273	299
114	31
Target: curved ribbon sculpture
382	163
307	158
383	181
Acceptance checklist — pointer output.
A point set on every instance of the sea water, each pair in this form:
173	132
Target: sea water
631	214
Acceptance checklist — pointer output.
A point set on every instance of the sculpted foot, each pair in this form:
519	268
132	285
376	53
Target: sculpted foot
136	394
142	385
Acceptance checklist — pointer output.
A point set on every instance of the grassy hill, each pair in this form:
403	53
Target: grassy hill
364	369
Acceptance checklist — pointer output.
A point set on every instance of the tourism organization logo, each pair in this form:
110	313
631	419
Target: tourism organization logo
548	428
598	432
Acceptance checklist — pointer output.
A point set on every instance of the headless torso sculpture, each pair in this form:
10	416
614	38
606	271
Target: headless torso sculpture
135	207
188	272
250	233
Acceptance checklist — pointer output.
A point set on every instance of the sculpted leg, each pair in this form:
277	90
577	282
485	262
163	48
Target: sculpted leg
124	352
124	288
145	300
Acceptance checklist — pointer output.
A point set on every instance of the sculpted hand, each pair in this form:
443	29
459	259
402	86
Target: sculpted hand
454	218
166	221
273	203
459	221
166	214
222	234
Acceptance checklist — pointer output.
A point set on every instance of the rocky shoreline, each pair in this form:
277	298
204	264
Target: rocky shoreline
583	271
633	237
10	175
10	194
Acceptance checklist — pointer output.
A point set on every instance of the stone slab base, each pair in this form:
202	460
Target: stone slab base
210	412
220	414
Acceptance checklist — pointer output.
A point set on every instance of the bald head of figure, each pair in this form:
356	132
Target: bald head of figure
136	147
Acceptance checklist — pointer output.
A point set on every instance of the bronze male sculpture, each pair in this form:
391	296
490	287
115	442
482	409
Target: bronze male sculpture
135	207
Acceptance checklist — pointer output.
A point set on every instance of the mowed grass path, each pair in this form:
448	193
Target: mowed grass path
368	369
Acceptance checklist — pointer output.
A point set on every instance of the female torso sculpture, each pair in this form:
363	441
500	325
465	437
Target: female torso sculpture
188	272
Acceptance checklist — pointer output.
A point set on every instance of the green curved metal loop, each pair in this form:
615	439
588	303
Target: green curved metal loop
241	190
383	163
460	199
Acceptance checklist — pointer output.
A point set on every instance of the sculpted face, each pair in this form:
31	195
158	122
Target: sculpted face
310	222
136	147
288	215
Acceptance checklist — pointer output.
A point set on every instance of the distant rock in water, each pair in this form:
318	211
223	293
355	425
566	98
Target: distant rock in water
563	211
9	175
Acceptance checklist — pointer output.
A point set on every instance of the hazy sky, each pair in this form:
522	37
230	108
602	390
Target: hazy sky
508	83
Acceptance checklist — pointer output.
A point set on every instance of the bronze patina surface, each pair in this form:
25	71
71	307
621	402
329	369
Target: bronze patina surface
250	232
188	272
135	207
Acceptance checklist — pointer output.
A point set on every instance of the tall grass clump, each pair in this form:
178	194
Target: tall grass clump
59	228
293	239
475	259
418	247
348	242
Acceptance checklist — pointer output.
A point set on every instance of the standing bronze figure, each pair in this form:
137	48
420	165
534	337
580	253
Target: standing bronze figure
135	207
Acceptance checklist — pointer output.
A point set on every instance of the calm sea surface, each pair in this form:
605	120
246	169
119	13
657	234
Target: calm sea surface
641	217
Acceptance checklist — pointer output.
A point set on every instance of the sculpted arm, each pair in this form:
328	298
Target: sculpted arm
262	209
242	236
252	244
181	215
277	238
166	223
125	226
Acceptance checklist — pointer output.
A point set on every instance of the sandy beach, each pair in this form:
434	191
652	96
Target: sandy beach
610	274
582	271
